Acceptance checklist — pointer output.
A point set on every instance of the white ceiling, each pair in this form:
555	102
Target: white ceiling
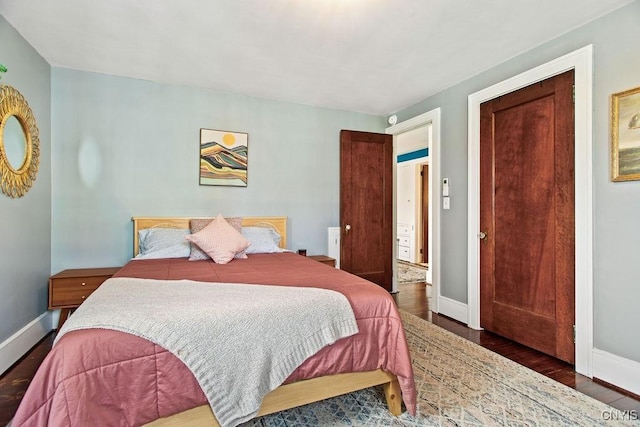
371	56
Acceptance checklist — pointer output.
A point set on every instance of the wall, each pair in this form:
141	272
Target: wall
616	205
25	223
406	193
126	147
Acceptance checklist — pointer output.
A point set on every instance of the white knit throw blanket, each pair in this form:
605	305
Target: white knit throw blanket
240	341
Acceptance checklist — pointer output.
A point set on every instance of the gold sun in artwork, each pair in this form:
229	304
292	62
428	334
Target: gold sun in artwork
228	139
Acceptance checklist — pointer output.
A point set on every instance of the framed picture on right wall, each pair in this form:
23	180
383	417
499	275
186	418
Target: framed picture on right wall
625	135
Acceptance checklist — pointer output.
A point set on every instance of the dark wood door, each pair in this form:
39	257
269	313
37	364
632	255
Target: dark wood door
366	205
527	258
424	173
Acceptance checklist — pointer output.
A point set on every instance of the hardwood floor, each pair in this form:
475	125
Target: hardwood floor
412	298
15	381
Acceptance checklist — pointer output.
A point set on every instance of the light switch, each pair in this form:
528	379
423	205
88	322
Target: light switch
445	187
445	203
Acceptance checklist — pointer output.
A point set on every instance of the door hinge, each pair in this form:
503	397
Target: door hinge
573	91
574	334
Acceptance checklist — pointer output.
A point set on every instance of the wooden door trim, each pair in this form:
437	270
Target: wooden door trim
581	61
433	117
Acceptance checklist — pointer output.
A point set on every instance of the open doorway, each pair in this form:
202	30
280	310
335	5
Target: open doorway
416	151
412	203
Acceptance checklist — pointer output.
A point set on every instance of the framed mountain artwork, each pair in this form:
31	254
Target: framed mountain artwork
223	158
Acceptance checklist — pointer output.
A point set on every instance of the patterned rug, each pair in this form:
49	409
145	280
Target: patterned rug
459	384
411	273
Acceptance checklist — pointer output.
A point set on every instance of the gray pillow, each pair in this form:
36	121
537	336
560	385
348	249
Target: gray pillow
163	243
262	240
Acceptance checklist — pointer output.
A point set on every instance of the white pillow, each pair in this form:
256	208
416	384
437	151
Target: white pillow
163	243
262	240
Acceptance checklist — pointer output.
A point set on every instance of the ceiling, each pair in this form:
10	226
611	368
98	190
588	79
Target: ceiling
371	56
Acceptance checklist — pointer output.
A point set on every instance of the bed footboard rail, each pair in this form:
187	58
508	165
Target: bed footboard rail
300	393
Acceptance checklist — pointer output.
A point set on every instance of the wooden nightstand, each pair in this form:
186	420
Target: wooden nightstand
324	259
69	288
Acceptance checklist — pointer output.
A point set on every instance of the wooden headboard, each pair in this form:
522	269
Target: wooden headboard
278	223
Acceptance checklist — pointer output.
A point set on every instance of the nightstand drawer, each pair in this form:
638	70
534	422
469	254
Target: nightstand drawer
403	241
73	291
69	288
324	259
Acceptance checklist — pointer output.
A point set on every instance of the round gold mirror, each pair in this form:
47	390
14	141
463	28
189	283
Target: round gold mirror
19	143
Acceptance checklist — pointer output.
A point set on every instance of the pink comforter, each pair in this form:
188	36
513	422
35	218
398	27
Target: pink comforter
104	377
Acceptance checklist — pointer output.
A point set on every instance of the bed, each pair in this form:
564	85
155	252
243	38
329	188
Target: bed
376	355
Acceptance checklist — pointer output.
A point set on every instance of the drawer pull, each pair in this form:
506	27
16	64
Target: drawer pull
83	283
83	297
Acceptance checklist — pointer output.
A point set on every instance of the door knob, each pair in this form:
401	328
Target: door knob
347	228
482	235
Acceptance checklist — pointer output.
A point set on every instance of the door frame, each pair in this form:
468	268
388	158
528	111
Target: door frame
581	61
430	117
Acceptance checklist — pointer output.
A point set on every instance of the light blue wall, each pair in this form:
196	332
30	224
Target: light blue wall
124	147
25	223
616	205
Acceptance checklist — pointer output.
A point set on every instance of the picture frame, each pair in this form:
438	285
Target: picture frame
625	135
223	157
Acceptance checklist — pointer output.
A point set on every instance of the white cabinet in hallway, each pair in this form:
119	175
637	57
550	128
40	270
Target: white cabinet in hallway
405	239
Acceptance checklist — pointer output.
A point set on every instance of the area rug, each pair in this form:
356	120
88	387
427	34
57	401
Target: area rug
459	384
411	273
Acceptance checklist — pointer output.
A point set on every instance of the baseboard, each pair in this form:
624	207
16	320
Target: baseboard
616	370
452	308
13	348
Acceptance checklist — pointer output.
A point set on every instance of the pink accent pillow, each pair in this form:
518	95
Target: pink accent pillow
197	224
219	240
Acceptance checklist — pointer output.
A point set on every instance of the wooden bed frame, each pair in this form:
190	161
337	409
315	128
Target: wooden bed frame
289	395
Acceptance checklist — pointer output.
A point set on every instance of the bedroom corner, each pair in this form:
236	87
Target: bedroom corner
26	221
